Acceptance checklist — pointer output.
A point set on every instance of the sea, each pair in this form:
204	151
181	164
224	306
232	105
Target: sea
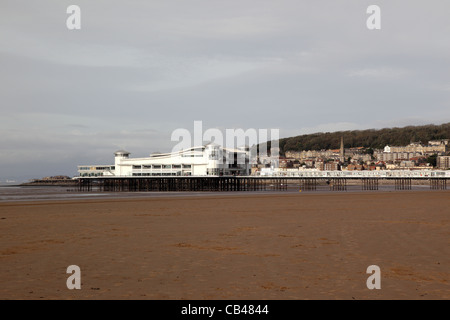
13	193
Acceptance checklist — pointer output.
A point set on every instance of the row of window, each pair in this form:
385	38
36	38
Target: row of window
96	168
213	171
179	173
163	166
91	174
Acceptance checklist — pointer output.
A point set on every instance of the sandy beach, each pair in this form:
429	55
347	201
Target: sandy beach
252	246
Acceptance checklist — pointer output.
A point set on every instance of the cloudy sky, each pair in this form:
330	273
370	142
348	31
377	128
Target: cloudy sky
138	70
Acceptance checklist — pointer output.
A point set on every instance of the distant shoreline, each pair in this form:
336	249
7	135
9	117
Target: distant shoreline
49	183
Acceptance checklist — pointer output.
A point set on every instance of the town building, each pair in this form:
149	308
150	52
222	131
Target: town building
434	146
332	166
352	167
394	156
320	165
443	162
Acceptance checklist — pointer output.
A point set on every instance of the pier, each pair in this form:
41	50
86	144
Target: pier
161	184
251	183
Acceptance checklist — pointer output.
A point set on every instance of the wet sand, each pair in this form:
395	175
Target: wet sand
257	246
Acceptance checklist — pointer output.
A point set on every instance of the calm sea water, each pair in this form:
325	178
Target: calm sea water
18	193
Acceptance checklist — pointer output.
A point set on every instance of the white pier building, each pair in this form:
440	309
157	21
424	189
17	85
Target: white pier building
208	160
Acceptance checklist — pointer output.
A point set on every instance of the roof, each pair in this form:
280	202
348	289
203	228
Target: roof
212	144
121	152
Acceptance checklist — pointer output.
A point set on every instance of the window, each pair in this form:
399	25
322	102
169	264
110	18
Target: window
213	171
102	168
137	167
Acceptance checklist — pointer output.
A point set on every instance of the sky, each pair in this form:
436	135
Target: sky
138	70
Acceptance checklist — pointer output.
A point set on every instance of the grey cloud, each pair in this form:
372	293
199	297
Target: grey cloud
138	70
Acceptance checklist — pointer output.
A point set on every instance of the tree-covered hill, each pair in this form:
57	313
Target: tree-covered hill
375	139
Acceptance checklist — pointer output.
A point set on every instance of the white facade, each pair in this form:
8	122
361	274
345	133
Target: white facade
394	156
210	159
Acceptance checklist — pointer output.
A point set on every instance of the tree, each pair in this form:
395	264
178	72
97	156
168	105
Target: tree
369	139
369	151
432	160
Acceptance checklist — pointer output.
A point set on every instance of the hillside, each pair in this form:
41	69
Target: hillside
375	139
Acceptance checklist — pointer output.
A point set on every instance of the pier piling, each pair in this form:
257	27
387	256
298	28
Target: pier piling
239	183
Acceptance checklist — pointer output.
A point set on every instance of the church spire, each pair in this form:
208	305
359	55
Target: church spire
342	151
